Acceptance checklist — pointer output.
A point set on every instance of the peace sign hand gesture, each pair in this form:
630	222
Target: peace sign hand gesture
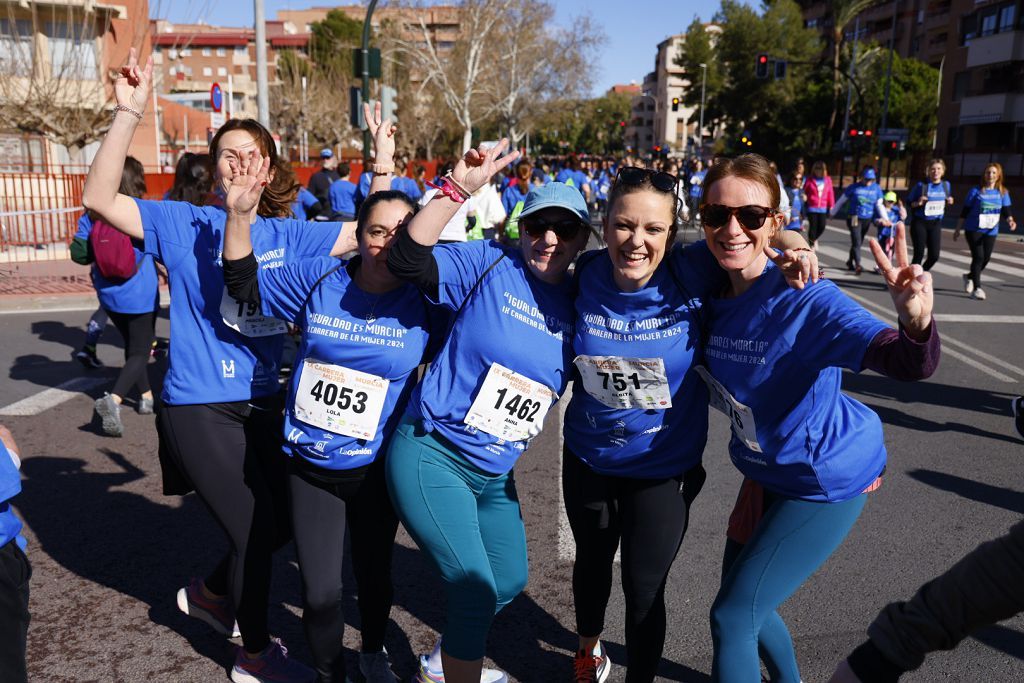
383	132
479	165
249	175
798	266
131	88
909	285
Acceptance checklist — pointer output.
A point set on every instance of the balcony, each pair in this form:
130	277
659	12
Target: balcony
992	108
996	48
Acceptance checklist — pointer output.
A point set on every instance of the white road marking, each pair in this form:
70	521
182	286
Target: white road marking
50	398
997	267
1002	319
62	309
868	262
998	255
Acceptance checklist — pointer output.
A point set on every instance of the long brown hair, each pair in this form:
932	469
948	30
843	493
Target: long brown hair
999	178
133	182
523	171
279	194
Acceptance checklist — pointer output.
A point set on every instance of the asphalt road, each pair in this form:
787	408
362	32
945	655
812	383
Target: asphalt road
109	551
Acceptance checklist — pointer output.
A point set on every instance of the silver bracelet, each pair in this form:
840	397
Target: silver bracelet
131	111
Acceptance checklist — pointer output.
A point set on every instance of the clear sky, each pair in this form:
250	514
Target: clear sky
633	28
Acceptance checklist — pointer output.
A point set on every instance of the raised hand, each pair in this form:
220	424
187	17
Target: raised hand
383	132
249	175
909	285
798	266
132	87
478	166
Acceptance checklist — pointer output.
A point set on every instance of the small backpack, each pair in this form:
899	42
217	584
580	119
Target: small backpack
115	256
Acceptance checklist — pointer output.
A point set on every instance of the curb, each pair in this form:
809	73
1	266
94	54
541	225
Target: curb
34	303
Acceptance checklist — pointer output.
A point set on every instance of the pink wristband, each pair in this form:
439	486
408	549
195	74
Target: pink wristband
448	190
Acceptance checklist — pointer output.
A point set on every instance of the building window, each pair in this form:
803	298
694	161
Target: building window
206	52
21	154
207	71
222	71
241	50
16	47
72	50
221	52
961	84
187	52
1006	16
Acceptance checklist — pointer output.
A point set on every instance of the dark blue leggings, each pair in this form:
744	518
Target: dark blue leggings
791	541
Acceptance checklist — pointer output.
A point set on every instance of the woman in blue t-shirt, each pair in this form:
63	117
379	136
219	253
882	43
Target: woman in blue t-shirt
219	425
364	333
774	358
504	363
864	197
929	200
984	208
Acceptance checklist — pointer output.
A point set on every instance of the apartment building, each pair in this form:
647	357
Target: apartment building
442	22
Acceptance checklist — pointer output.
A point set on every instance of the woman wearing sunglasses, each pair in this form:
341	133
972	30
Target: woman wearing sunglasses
504	363
637	424
812	452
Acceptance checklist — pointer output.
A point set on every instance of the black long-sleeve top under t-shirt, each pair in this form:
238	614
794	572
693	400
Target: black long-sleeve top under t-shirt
413	262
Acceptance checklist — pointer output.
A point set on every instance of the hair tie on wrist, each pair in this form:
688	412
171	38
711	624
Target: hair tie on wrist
448	189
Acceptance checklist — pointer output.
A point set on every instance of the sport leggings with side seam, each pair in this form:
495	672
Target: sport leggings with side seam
322	505
231	452
137	330
791	541
650	517
467	523
981	246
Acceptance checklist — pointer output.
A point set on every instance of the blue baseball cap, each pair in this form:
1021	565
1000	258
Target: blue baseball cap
868	173
557	195
326	153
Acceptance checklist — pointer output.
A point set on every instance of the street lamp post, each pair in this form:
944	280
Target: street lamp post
366	77
703	83
262	100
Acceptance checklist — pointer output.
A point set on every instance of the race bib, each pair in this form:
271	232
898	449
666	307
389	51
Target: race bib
340	400
245	318
741	416
626	382
510	406
935	208
987	221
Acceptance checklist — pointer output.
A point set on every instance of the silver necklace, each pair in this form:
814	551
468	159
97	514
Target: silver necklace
370	317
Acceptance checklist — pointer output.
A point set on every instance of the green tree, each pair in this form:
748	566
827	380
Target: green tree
332	40
842	13
698	48
913	97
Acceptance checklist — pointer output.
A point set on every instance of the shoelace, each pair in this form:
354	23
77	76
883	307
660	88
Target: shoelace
586	668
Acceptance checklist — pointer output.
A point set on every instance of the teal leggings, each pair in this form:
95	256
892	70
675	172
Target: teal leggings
791	541
468	524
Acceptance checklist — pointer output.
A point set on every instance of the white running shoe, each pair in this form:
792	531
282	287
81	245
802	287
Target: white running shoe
591	668
968	283
978	294
427	675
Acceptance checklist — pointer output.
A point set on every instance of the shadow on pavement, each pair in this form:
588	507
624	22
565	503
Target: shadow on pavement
928	392
998	496
1001	638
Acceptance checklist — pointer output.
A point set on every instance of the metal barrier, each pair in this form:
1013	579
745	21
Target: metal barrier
38	214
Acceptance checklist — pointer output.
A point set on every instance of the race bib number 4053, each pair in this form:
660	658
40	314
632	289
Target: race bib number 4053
246	319
626	382
340	400
741	416
510	406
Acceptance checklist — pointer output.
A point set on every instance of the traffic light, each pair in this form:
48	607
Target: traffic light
867	133
780	69
675	104
622	124
355	108
388	103
761	67
745	139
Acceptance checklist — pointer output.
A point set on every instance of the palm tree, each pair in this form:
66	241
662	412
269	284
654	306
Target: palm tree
842	12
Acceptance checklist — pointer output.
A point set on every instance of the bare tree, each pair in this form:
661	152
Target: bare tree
321	111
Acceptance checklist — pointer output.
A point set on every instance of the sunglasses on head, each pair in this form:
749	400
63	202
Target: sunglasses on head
634	175
750	217
566	229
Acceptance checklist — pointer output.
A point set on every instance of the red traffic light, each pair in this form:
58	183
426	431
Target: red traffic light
867	133
763	59
893	144
622	123
853	132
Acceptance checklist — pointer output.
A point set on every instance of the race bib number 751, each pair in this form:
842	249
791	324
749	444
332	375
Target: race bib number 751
510	406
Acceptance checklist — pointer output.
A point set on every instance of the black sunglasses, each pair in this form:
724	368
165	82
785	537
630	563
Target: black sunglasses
750	217
566	229
634	175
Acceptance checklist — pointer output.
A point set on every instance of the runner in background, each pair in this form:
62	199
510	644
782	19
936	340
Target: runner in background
820	200
403	183
888	218
864	197
487	215
306	206
15	569
795	192
343	195
929	200
695	182
986	205
573	176
513	199
320	182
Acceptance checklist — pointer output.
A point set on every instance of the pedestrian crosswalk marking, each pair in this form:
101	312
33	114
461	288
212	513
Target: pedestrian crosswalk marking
992	265
841	255
50	398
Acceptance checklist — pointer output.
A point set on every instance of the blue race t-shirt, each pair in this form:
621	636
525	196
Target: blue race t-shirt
347	336
656	325
796	206
778	351
223	350
138	294
696	184
983	210
513	321
511	197
304	201
573	178
363	188
408	186
862	199
342	194
936	193
10	486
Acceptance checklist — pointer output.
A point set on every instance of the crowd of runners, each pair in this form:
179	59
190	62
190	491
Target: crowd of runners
396	406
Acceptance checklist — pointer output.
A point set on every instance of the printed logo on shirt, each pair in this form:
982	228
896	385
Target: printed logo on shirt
228	369
294	435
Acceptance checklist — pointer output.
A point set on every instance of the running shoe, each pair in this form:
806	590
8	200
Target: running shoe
109	411
376	668
968	283
217	612
87	357
271	666
145	406
591	668
427	675
857	270
978	294
1018	413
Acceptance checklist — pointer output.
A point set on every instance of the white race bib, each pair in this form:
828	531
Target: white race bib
246	319
987	221
934	208
741	416
626	382
340	400
510	406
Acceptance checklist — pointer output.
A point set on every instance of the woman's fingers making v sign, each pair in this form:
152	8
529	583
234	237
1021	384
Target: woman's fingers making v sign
909	285
479	165
383	132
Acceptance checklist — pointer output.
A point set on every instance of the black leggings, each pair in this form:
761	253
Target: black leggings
981	251
320	509
15	572
816	226
231	452
650	517
858	228
926	234
138	330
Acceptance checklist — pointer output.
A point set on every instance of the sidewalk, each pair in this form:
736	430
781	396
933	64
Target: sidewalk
48	285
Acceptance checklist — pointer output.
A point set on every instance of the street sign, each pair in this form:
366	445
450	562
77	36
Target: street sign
216	97
216	119
894	134
373	66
